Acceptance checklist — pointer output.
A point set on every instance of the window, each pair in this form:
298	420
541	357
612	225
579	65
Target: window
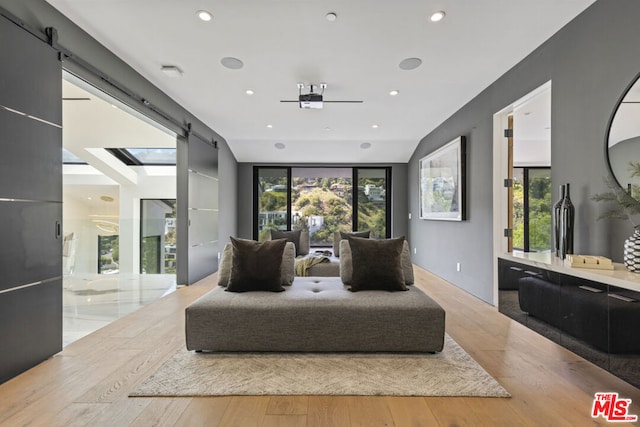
108	254
532	209
321	200
145	156
373	204
68	158
273	201
158	236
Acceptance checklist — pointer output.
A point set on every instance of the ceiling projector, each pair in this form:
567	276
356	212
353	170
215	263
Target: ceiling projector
310	100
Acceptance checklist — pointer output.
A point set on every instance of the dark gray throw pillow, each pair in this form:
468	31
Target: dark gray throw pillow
363	234
341	235
256	266
377	264
290	236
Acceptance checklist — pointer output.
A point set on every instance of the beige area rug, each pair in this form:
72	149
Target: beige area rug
449	373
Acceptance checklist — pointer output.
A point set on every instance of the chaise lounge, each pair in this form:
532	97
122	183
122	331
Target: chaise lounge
316	314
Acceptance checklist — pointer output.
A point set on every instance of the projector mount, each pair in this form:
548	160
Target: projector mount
314	100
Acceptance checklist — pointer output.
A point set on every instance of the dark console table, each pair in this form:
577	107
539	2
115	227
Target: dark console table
599	307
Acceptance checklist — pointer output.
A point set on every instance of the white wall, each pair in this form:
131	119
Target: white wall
76	219
153	183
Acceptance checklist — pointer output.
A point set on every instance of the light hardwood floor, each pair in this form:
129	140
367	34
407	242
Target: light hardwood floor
88	382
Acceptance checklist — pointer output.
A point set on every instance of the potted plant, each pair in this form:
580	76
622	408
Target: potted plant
623	205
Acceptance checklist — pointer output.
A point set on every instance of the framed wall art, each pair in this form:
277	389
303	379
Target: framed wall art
442	182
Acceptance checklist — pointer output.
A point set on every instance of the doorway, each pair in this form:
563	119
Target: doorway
113	158
530	121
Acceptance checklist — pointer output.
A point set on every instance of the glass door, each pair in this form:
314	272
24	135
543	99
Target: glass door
532	209
372	204
158	236
273	201
321	202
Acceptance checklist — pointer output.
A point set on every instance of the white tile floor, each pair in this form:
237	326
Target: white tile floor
91	302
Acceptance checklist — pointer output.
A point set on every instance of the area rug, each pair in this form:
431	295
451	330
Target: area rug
449	373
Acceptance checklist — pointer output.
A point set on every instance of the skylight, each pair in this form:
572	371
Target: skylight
68	158
145	156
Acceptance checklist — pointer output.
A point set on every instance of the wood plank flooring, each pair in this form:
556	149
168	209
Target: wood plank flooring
87	384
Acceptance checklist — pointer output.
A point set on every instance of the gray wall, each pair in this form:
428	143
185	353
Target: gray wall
228	195
590	62
398	196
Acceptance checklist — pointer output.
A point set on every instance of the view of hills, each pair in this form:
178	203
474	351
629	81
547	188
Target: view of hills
323	206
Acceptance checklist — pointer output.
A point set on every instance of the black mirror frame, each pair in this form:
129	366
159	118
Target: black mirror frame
635	80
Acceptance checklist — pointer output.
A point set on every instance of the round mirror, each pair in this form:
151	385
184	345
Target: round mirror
623	139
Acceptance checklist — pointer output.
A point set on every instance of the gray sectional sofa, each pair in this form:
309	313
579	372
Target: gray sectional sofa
315	314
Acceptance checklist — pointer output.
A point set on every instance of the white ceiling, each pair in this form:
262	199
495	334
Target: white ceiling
93	121
283	42
532	130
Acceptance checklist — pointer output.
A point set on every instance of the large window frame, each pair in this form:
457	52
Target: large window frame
526	247
355	178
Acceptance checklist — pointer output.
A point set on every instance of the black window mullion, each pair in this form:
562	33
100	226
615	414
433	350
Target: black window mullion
526	208
256	202
387	197
124	156
354	197
289	213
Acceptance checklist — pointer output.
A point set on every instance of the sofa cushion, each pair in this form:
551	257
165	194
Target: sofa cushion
256	266
341	235
346	268
407	265
304	244
377	264
346	263
287	268
316	314
290	236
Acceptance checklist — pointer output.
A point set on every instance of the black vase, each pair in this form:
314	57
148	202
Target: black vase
556	222
567	217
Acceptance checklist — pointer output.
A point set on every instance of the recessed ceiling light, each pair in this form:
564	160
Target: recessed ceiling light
365	145
437	16
331	16
375	126
171	71
249	92
269	126
410	63
394	92
204	15
327	128
231	63
279	145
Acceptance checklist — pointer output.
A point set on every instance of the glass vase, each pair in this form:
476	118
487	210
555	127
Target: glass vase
632	252
557	235
567	218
